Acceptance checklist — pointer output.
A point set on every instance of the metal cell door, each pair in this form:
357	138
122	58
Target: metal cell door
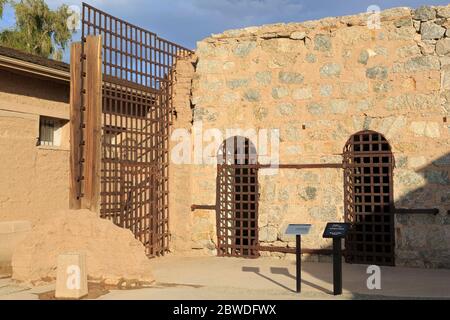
137	112
237	199
368	192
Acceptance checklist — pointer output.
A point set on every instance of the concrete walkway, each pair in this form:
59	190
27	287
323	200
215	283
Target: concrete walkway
265	278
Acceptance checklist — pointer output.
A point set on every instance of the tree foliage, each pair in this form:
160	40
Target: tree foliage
38	30
2	4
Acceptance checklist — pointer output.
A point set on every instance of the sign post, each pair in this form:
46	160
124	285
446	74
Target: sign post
298	230
337	266
336	231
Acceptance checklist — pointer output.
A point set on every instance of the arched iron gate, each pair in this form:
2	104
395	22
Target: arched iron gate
237	199
135	120
368	202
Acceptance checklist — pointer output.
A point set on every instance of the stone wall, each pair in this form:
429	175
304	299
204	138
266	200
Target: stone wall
319	82
34	179
180	179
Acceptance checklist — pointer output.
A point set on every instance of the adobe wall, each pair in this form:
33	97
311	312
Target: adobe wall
319	82
34	179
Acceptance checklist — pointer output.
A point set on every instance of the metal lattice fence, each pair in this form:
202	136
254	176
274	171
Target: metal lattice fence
136	117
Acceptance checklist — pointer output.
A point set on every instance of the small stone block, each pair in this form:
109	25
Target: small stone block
71	276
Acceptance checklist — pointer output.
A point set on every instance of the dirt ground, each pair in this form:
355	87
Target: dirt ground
212	278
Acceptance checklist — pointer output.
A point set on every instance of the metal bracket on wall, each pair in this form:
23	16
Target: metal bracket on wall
202	207
302	166
416	211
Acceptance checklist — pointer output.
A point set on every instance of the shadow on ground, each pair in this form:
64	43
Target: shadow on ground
283	272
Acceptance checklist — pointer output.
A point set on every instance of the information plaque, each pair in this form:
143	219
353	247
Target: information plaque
336	230
298	229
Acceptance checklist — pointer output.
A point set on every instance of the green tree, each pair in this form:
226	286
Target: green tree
2	4
38	30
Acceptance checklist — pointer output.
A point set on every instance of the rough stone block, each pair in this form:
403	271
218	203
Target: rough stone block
363	57
252	95
330	70
338	106
326	90
302	94
264	77
244	48
322	42
424	13
71	276
291	77
443	12
430	31
280	92
286	109
311	58
378	72
298	35
315	109
422	63
408	51
443	47
237	83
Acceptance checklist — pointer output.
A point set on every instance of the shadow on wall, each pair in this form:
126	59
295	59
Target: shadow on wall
14	84
423	239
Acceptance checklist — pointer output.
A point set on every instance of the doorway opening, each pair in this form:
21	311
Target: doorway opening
237	197
368	202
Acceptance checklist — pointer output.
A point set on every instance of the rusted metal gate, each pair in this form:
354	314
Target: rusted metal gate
136	113
237	199
368	192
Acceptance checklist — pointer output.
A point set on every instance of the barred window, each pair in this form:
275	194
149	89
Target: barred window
50	131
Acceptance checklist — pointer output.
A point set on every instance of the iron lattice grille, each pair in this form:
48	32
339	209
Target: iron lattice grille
136	117
368	186
237	196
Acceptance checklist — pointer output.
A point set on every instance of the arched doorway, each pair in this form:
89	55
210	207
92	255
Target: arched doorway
368	199
237	198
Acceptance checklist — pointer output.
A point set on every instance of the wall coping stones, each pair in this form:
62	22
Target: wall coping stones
285	30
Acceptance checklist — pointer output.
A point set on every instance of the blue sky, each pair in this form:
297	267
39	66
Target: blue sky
187	21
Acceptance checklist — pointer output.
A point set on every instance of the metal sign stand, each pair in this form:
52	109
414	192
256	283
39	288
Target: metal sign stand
298	259
337	266
337	232
298	230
